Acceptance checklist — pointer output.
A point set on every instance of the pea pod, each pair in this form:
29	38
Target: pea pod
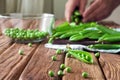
105	46
82	55
110	38
93	34
76	37
51	40
107	30
77	13
71	29
57	34
76	16
61	27
67	35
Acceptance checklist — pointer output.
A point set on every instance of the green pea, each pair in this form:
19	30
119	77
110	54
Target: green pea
97	54
85	74
51	73
68	55
87	58
21	52
60	73
30	44
68	69
62	66
54	58
83	55
21	34
58	51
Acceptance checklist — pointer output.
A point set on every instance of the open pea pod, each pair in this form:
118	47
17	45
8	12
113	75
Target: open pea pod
82	56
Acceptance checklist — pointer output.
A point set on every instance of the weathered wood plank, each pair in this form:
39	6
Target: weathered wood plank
40	64
110	64
10	58
5	42
78	67
12	63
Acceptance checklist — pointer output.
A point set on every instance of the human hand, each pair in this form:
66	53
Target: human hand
71	5
99	10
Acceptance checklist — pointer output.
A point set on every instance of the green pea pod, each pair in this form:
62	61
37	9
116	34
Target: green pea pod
107	30
51	40
57	34
68	34
77	20
102	37
76	37
62	27
81	55
110	38
93	34
88	25
105	46
77	13
73	18
71	29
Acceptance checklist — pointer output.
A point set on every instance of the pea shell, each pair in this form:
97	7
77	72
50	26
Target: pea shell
82	58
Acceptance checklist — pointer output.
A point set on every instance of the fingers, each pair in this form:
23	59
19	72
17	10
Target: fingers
70	6
98	14
91	8
82	6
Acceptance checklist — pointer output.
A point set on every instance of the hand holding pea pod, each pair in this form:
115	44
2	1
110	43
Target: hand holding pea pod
76	16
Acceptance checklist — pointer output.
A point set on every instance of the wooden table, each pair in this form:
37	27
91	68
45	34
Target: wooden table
36	61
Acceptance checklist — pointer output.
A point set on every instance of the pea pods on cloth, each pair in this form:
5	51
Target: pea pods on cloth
80	47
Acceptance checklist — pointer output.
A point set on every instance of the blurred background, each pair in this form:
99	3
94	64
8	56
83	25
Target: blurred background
56	7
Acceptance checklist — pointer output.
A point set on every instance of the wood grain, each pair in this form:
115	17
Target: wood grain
12	63
78	67
41	63
110	64
5	42
36	61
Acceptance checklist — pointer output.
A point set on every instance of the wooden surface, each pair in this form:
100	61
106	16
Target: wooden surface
36	61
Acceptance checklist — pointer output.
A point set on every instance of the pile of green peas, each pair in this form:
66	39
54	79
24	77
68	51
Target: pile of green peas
22	34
